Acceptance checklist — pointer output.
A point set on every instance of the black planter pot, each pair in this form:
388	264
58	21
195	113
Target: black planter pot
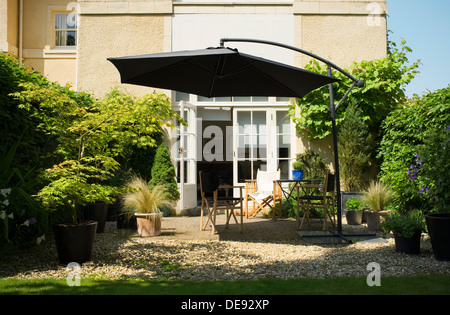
113	211
439	230
354	217
123	223
97	212
408	245
74	242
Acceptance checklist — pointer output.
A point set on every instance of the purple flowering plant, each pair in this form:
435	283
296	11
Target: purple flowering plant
432	170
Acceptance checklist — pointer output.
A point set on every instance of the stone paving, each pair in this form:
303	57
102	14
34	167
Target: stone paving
256	228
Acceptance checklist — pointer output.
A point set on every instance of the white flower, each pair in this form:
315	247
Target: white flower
6	202
26	223
40	239
3	215
11	215
5	192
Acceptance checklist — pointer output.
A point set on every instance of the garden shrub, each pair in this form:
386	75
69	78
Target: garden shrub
16	124
415	143
313	165
22	220
163	172
354	144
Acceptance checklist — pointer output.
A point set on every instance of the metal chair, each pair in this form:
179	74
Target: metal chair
213	201
317	196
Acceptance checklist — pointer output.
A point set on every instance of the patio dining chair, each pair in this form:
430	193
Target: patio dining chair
212	200
317	196
263	193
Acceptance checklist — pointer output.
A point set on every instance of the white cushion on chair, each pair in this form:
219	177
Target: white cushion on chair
264	182
259	196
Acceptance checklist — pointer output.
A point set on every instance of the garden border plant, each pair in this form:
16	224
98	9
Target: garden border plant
416	158
90	135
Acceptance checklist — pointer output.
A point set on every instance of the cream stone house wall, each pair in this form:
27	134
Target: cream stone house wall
338	30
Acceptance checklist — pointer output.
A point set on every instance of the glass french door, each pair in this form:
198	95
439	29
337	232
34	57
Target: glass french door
262	140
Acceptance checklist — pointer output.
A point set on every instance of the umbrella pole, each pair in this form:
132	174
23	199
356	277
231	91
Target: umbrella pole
336	157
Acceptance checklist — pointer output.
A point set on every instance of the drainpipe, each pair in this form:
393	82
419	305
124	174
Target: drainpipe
20	30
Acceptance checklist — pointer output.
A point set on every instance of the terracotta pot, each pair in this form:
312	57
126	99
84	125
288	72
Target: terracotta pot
374	218
148	224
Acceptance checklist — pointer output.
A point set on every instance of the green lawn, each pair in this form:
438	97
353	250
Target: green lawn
420	285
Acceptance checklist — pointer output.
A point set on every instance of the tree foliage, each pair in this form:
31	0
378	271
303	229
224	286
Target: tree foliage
415	150
90	135
354	141
385	81
16	123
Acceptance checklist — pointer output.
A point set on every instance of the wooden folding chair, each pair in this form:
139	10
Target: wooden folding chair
317	196
213	201
263	192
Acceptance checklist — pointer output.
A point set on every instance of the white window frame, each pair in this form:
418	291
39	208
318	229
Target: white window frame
189	150
53	31
272	139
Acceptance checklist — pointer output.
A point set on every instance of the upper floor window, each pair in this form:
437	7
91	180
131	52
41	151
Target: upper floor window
65	30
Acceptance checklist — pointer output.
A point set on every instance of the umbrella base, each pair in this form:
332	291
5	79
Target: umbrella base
333	237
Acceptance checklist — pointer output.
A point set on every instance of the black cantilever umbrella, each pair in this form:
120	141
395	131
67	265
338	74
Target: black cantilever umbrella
215	72
222	71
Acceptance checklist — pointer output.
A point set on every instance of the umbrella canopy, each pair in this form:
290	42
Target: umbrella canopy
215	72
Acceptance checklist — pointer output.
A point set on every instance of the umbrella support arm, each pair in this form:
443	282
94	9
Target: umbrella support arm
357	82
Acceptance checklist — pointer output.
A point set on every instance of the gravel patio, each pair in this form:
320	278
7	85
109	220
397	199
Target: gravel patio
265	249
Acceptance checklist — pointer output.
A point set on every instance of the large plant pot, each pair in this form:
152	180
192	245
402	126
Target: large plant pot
113	211
374	218
408	245
126	223
97	212
345	196
297	175
354	217
74	242
148	224
439	231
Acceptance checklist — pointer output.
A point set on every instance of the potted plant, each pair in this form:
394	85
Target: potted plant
376	197
434	176
89	135
309	164
68	191
407	229
298	170
144	203
354	211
